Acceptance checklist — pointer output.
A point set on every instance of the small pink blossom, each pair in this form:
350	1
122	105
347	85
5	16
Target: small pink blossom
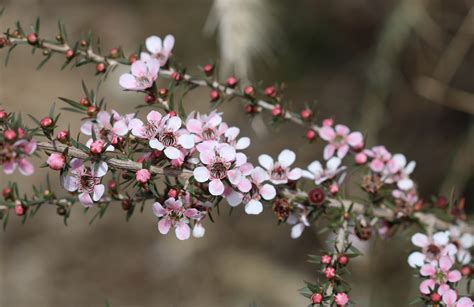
299	220
432	248
398	171
143	75
218	166
56	161
15	155
380	157
164	133
439	272
160	50
86	181
279	171
341	299
317	173
174	214
231	137
205	127
340	139
142	176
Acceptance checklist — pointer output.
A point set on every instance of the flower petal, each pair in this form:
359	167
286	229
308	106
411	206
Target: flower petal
266	161
253	207
216	187
164	226
154	44
183	232
286	158
201	174
98	192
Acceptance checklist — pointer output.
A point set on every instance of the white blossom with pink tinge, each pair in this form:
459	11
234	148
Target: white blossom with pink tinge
299	220
143	75
163	133
279	171
86	181
174	214
464	242
380	157
340	140
160	50
256	190
432	248
398	171
205	127
218	161
107	127
319	174
231	137
15	155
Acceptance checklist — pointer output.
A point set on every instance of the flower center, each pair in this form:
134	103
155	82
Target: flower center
218	170
149	130
433	250
278	173
167	138
88	182
339	139
208	134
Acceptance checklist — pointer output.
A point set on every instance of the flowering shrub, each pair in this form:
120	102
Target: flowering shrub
186	165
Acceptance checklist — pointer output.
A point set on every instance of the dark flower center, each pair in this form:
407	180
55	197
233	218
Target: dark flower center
209	134
167	138
278	173
218	170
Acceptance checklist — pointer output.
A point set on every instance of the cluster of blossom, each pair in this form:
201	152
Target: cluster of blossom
16	145
440	254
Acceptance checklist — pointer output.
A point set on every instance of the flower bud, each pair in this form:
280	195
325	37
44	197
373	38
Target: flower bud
214	95
176	76
310	134
466	270
92	111
441	202
20	210
56	161
328	122
208	69
3	114
270	91
32	38
63	136
435	297
163	92
326	259
100	67
343	259
341	299
172	113
70	54
97	147
306	114
126	204
112	185
172	193
3	42
61	211
232	82
46	122
316	196
59	38
85	102
21	132
361	158
83	43
316	298
7	193
249	108
334	188
9	135
143	176
132	58
276	111
149	99
114	52
329	272
249	91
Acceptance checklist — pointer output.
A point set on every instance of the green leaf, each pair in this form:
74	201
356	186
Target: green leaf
37	26
44	61
7	58
62	30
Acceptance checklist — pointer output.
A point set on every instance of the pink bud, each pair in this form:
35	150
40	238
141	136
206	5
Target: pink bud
143	175
326	259
63	136
249	91
361	158
3	114
32	38
232	82
20	209
306	114
435	297
172	113
21	133
97	147
343	259
46	122
334	188
270	91
316	298
341	299
310	134
214	95
328	122
56	161
172	193
329	272
9	135
276	111
208	69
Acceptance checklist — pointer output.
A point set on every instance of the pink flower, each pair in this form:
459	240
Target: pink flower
142	176
15	155
143	75
86	181
255	192
206	127
340	139
317	173
218	166
174	214
380	157
299	220
231	135
465	302
341	299
107	127
280	171
160	50
163	133
398	170
440	273
56	161
432	248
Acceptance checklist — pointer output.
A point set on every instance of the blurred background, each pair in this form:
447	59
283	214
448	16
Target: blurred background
401	71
